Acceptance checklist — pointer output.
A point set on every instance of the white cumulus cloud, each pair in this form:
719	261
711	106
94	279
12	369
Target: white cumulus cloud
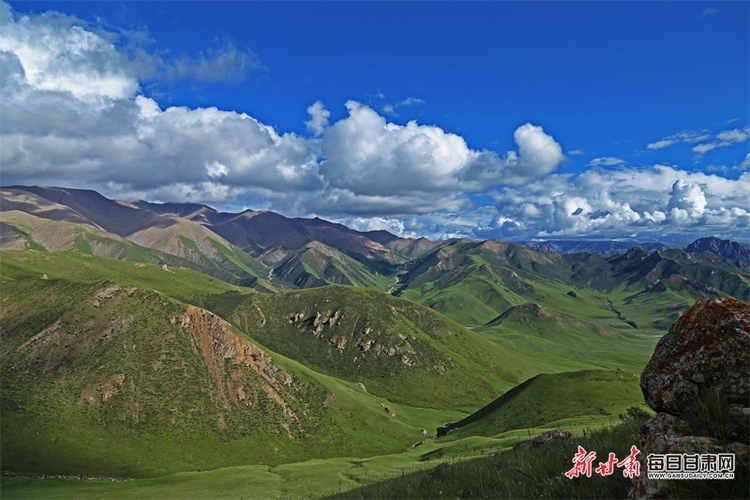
735	135
540	153
391	109
318	118
394	226
56	54
685	136
74	113
704	140
687	198
365	155
661	144
647	201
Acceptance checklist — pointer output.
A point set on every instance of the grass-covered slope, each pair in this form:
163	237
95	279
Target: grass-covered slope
184	245
315	264
117	377
123	369
551	399
545	333
395	348
473	282
25	268
533	473
694	275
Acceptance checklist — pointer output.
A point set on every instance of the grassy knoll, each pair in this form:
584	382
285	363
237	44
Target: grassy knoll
316	264
114	373
549	398
114	377
106	380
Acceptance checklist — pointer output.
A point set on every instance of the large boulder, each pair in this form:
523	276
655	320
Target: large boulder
698	382
708	346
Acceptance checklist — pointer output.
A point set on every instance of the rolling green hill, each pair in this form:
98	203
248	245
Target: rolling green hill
395	348
542	332
473	282
171	246
551	399
118	358
315	264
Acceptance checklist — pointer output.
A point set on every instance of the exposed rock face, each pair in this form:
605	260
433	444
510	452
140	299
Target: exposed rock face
321	326
224	351
707	349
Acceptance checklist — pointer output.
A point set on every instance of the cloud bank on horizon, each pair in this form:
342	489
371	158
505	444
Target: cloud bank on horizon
75	113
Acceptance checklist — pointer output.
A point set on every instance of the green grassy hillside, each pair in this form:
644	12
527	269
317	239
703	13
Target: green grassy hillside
616	305
542	332
689	274
395	348
120	361
133	370
533	473
212	257
551	399
473	282
26	268
117	377
315	264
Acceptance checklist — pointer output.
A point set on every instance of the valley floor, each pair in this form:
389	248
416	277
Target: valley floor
309	479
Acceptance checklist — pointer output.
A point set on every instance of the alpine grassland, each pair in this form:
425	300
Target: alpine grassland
102	371
207	372
316	264
392	347
553	400
522	473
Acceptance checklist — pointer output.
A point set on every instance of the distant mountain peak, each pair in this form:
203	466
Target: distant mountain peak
723	248
545	249
635	252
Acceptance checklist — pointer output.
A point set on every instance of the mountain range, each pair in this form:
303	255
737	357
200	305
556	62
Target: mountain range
263	249
141	340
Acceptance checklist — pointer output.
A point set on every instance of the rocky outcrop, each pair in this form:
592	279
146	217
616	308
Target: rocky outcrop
224	352
700	370
320	325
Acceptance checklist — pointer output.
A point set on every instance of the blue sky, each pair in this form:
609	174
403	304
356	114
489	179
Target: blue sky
505	120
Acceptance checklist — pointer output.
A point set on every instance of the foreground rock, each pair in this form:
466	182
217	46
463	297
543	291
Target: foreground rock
708	346
698	382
